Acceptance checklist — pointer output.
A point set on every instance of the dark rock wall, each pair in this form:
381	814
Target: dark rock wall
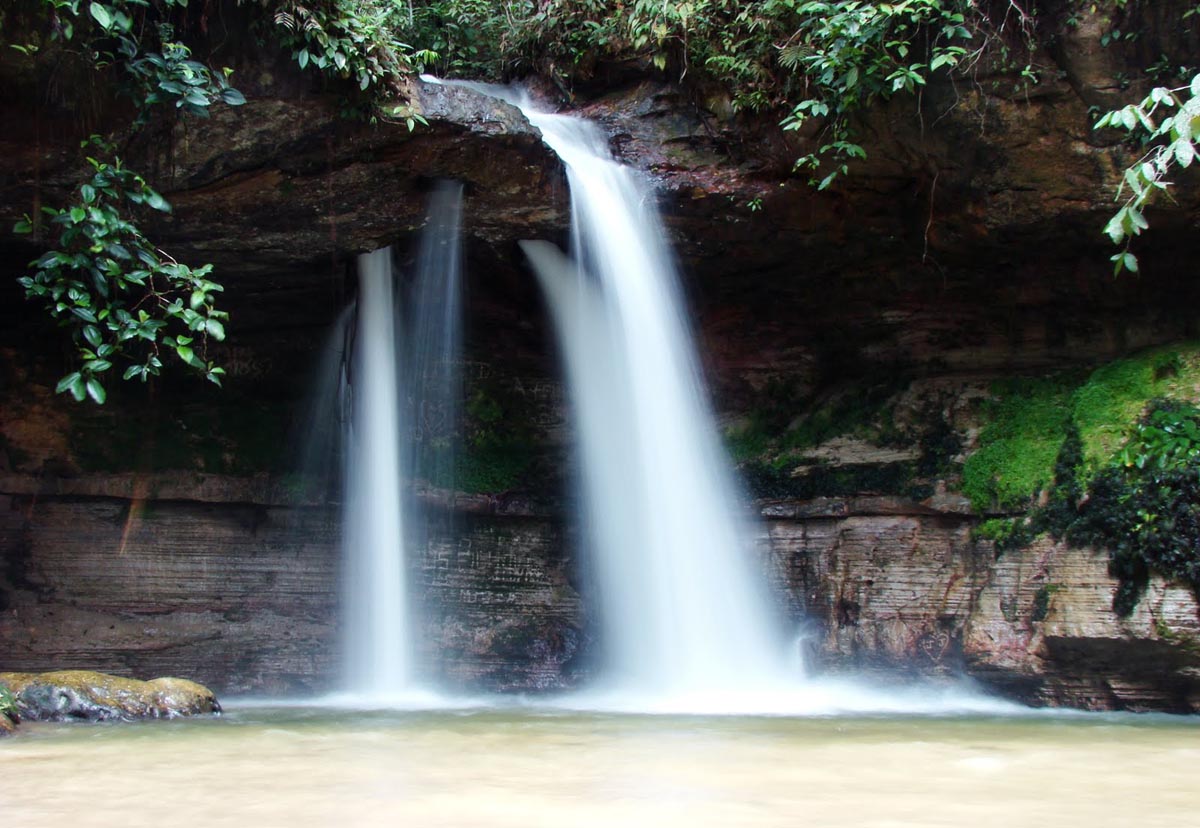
244	597
164	534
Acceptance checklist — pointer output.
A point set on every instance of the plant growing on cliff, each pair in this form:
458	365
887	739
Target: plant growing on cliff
113	289
122	298
8	706
1167	121
356	41
822	62
1126	477
853	53
1145	507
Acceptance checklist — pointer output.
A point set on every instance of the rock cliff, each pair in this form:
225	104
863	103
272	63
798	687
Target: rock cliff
165	533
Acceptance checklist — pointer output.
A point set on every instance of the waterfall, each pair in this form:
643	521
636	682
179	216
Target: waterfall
684	614
376	622
434	350
395	433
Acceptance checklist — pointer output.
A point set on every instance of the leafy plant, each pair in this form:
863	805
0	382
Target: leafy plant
1168	121
1166	438
122	298
1143	506
821	62
171	77
115	34
350	40
853	53
1146	508
113	289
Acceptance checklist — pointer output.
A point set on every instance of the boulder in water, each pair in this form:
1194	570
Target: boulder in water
9	717
86	695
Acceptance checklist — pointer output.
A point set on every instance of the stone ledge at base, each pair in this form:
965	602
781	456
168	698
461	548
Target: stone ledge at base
68	695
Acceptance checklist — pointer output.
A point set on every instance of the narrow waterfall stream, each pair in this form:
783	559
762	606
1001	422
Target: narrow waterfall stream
378	646
433	350
404	391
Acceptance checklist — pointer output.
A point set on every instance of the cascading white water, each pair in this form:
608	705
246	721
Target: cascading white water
376	624
684	615
434	350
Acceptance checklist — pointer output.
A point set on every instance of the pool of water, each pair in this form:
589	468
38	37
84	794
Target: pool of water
521	767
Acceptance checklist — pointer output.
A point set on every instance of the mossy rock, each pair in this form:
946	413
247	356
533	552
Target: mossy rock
10	717
1027	422
85	695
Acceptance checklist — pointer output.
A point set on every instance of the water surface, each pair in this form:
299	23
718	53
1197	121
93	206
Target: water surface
303	766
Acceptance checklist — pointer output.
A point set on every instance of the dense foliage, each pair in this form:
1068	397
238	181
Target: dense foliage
1145	507
818	62
1168	122
8	706
121	298
113	288
1125	474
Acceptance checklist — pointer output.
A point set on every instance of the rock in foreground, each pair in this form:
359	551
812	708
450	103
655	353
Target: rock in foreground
83	694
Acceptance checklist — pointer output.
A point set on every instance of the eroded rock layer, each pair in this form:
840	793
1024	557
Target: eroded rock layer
167	533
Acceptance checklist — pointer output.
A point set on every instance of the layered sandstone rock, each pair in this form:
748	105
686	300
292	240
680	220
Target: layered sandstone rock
163	534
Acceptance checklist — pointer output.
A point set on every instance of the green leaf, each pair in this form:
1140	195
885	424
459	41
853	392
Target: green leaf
1115	229
215	329
232	97
102	14
92	334
96	391
157	202
66	382
1185	153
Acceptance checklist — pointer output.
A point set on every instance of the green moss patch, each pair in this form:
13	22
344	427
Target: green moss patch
1026	426
1028	420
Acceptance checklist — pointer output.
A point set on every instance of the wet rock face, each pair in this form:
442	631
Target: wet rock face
69	695
245	598
158	536
890	594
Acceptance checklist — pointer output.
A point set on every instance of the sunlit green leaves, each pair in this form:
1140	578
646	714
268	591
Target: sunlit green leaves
1171	124
853	53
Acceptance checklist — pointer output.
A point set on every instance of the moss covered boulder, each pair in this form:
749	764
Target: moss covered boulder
9	716
85	695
